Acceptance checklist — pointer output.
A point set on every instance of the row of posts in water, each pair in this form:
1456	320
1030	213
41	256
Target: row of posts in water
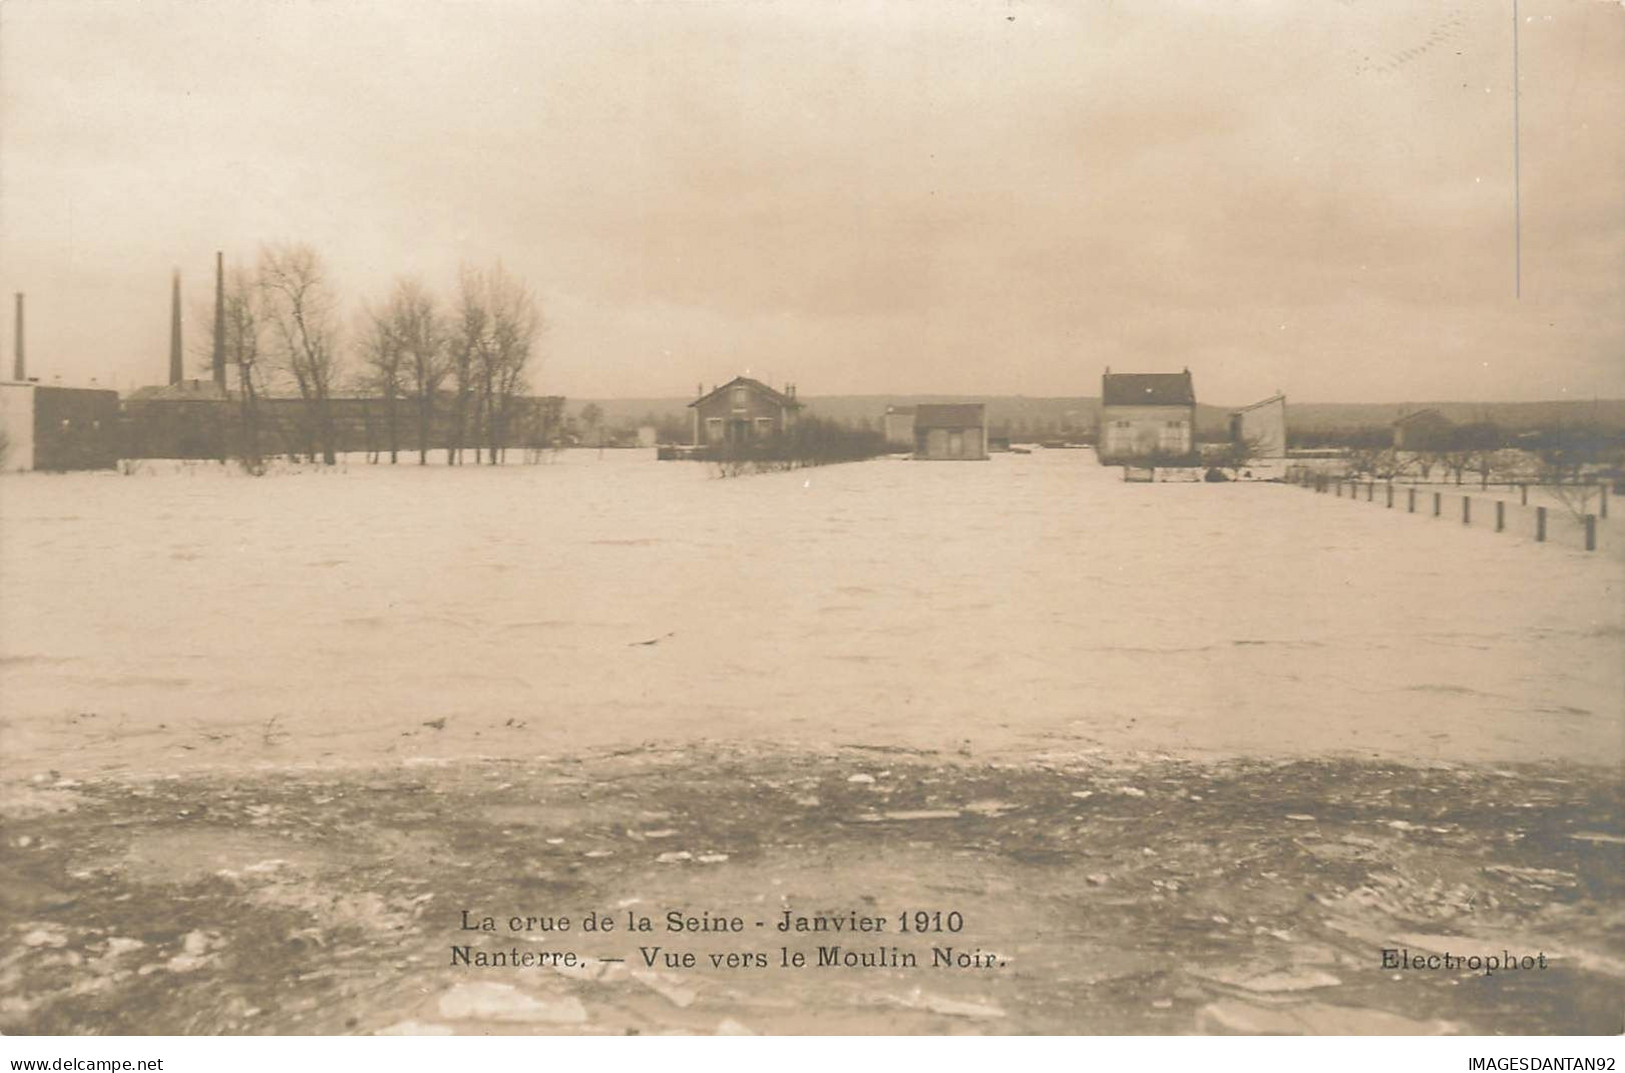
1320	482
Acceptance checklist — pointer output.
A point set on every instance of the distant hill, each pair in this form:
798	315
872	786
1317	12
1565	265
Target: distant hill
1051	416
1515	416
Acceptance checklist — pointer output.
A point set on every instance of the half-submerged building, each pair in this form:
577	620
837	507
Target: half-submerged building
950	431
1147	418
1261	428
743	411
50	427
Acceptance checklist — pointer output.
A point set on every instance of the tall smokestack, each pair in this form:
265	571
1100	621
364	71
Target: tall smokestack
220	318
19	368
176	371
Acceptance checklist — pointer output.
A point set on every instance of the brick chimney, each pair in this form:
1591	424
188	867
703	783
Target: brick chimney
19	368
220	318
176	371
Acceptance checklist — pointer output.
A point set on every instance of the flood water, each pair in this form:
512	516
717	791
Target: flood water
190	617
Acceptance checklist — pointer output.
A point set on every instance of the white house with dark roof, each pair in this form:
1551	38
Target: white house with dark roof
1147	417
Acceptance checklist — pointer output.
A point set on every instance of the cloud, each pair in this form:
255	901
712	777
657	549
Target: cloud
879	196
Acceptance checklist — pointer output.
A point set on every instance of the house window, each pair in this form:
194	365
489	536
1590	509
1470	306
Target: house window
713	429
1176	424
764	426
741	398
1122	424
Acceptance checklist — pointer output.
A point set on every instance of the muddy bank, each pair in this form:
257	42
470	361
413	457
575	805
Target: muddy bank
1090	895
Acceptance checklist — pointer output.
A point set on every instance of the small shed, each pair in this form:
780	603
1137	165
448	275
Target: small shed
951	432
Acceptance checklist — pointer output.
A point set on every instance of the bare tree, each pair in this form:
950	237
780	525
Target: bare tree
466	337
1467	447
498	322
384	359
1569	458
241	322
421	339
1381	463
1240	453
301	307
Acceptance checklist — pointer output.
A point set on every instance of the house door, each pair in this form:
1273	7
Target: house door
739	431
956	445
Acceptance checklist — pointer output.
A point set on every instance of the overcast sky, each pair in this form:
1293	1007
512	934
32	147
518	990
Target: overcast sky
863	197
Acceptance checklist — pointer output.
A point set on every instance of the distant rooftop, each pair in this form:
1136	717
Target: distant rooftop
949	415
1147	389
1272	400
1423	415
779	397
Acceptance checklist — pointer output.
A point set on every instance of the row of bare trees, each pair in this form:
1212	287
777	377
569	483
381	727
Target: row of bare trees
282	333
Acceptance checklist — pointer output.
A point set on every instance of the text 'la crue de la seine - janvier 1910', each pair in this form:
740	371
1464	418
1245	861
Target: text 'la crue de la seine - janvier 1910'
924	938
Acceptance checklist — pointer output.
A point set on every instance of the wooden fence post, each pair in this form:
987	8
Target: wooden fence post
1540	523
1500	516
1591	532
1410	507
1466	510
1390	495
1523	490
1339	489
1438	503
1602	508
1370	490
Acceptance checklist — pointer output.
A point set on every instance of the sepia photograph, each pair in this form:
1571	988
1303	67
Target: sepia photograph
861	518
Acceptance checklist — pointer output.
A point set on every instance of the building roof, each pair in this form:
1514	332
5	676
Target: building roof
777	396
1147	389
1431	416
949	415
1272	400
